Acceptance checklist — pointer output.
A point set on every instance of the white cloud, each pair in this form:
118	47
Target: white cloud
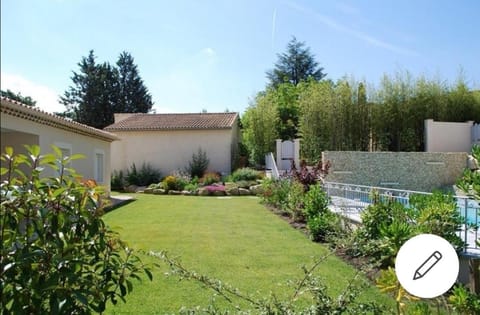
209	52
46	97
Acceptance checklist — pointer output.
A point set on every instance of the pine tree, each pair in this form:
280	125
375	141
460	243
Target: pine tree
100	90
296	65
133	96
92	97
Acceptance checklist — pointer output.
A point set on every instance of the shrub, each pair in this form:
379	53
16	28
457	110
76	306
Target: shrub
295	201
118	181
387	225
315	202
210	178
192	187
170	183
246	174
309	176
183	179
286	195
145	176
324	226
199	164
438	214
57	254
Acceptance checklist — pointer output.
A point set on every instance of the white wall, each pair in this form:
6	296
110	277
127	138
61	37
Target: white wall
45	136
448	136
172	150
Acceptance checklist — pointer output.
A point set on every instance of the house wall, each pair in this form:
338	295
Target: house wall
172	150
17	131
448	136
420	171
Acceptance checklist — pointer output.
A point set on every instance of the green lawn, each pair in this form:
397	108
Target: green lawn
234	239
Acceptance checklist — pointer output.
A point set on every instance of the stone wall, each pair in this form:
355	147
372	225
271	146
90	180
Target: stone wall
420	171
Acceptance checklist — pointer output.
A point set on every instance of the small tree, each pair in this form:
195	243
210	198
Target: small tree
199	164
58	256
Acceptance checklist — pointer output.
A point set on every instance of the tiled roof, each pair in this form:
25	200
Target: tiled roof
142	122
18	109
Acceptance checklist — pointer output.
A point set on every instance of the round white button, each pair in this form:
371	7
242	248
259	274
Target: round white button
427	265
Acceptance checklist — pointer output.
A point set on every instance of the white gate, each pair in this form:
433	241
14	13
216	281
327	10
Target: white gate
287	155
287	151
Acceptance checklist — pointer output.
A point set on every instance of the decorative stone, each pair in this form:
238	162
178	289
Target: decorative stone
174	192
256	190
203	192
232	191
243	192
159	191
148	191
218	193
131	188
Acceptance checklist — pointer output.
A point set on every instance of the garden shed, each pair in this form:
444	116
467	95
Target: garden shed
22	124
167	141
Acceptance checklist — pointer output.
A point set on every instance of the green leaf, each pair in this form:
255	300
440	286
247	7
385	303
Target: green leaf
57	151
149	274
123	289
3	171
81	298
9	150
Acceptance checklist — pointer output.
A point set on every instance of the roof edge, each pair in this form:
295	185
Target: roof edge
18	109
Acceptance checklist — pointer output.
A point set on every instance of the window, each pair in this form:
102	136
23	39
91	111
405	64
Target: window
66	150
99	158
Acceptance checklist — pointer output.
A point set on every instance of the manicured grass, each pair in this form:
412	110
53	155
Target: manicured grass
236	240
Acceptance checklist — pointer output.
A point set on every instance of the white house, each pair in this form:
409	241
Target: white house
167	141
22	124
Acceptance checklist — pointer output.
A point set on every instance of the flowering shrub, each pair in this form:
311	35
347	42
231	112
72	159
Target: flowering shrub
170	183
210	178
214	188
58	256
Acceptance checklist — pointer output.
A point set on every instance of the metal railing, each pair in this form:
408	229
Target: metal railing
355	198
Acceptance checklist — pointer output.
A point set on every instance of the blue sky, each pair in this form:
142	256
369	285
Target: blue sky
212	55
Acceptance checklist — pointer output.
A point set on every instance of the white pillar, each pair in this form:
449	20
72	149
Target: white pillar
279	153
296	153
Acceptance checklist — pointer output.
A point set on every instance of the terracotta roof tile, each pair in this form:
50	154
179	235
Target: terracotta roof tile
175	122
18	109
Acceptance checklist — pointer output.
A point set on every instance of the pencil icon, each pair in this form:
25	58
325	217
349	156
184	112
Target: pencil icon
428	264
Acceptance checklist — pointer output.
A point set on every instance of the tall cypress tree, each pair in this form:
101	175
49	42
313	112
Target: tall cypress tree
100	90
133	96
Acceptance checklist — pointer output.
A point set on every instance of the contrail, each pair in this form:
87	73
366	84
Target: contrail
274	18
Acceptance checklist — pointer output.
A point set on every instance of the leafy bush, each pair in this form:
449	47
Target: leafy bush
324	226
170	183
246	174
210	178
57	254
309	176
438	214
192	187
285	195
387	225
183	179
199	164
145	176
315	202
118	181
464	301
